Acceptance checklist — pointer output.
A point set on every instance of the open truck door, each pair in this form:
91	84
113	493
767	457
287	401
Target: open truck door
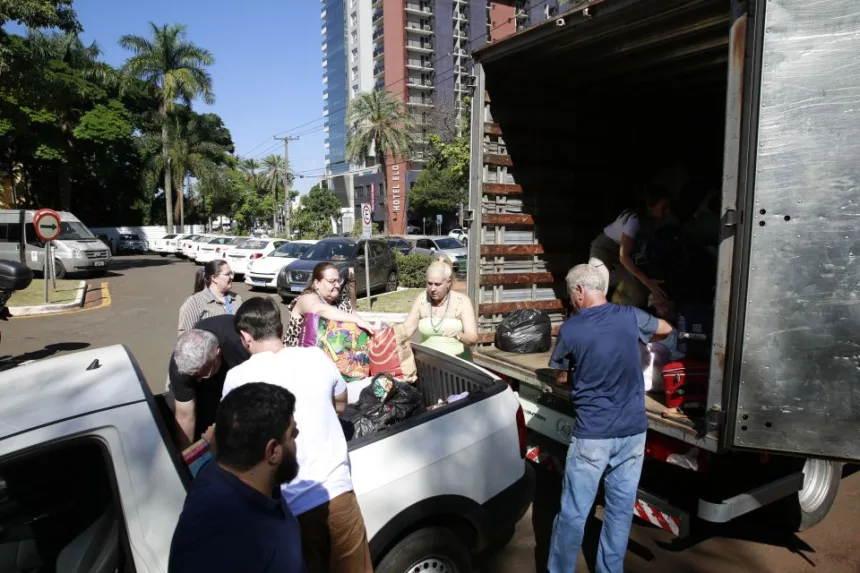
795	376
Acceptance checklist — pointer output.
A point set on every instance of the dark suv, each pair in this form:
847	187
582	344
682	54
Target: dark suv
343	253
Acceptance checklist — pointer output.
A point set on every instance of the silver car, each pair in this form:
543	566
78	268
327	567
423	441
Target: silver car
446	246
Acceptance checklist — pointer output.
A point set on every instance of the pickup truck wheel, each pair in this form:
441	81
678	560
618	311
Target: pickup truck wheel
434	549
59	270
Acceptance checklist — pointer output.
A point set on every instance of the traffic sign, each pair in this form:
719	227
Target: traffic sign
47	224
366	221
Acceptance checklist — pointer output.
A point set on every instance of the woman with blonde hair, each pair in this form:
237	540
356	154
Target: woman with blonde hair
445	319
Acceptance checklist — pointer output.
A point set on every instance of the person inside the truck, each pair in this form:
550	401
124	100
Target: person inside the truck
234	518
445	318
612	249
598	350
321	497
198	366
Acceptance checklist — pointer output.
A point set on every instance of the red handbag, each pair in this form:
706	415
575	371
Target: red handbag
391	353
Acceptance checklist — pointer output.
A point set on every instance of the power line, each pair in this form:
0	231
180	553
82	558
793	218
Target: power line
405	77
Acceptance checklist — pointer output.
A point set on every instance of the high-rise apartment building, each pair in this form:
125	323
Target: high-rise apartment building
417	49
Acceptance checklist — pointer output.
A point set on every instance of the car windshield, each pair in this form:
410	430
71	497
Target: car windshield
397	243
168	236
254	244
292	250
238	241
220	241
129	238
74	230
330	251
449	243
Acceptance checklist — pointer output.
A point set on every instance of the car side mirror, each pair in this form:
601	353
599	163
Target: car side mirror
432	249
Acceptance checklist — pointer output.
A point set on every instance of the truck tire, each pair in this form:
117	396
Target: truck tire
433	549
820	485
808	507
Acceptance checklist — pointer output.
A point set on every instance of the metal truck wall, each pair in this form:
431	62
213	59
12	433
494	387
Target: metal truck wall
799	377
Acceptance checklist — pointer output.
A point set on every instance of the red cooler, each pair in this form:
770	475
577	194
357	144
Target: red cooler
686	383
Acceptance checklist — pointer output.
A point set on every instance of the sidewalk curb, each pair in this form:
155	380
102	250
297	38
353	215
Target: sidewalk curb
52	308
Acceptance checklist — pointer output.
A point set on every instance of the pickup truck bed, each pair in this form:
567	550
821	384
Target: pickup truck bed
532	370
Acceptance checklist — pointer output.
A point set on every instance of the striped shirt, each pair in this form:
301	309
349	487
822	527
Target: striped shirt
203	305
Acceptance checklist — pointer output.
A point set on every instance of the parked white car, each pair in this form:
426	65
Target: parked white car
164	246
263	272
188	246
460	235
250	250
86	450
217	248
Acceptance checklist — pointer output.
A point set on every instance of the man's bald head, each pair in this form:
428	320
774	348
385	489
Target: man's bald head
197	354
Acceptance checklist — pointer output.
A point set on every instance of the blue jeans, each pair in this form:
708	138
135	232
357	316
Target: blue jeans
619	462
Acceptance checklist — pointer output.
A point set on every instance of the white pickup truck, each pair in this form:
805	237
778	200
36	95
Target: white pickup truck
90	480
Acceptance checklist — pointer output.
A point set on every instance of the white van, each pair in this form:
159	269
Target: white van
75	250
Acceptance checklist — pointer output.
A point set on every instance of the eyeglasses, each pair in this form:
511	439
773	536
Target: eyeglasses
334	282
230	274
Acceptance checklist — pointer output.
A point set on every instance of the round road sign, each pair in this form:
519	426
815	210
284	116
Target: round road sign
47	224
365	213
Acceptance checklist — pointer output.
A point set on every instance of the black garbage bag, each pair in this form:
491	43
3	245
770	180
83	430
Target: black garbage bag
525	332
385	402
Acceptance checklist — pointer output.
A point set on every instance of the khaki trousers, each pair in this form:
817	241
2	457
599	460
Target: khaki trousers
334	539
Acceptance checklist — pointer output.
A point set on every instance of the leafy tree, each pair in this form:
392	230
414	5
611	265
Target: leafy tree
318	208
176	68
379	125
434	192
250	169
40	14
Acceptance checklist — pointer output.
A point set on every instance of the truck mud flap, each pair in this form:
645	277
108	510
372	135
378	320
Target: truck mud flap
660	513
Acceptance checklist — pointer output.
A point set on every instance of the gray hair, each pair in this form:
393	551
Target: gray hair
586	276
195	350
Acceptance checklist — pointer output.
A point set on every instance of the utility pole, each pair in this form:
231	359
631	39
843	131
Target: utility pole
288	202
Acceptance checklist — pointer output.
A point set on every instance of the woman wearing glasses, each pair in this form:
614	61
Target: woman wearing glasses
327	296
212	295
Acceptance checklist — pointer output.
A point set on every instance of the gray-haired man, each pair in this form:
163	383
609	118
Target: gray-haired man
198	366
598	347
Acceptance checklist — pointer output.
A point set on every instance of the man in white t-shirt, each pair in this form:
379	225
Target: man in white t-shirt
321	496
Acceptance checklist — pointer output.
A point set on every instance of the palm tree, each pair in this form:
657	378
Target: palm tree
274	175
380	126
250	168
190	154
177	68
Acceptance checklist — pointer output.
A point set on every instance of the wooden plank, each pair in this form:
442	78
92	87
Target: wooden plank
492	129
502	189
495	219
490	337
496	159
506	307
507	250
517	278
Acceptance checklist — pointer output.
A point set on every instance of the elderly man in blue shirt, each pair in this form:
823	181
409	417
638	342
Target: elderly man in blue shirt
598	347
235	518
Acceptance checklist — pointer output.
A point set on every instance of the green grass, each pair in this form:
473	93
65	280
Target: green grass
35	293
395	302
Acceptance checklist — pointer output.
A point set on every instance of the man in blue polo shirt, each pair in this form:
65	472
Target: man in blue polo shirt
235	518
598	347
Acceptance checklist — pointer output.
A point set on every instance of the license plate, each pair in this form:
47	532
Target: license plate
99	263
297	288
259	283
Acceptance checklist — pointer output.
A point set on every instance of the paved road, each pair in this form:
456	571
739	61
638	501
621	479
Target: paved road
146	294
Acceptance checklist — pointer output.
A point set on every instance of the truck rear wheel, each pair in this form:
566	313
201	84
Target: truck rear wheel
820	485
433	549
808	507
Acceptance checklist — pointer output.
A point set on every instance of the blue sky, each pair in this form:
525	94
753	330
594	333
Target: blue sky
268	65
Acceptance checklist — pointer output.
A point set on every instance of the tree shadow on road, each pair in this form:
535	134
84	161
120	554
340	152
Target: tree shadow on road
9	361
